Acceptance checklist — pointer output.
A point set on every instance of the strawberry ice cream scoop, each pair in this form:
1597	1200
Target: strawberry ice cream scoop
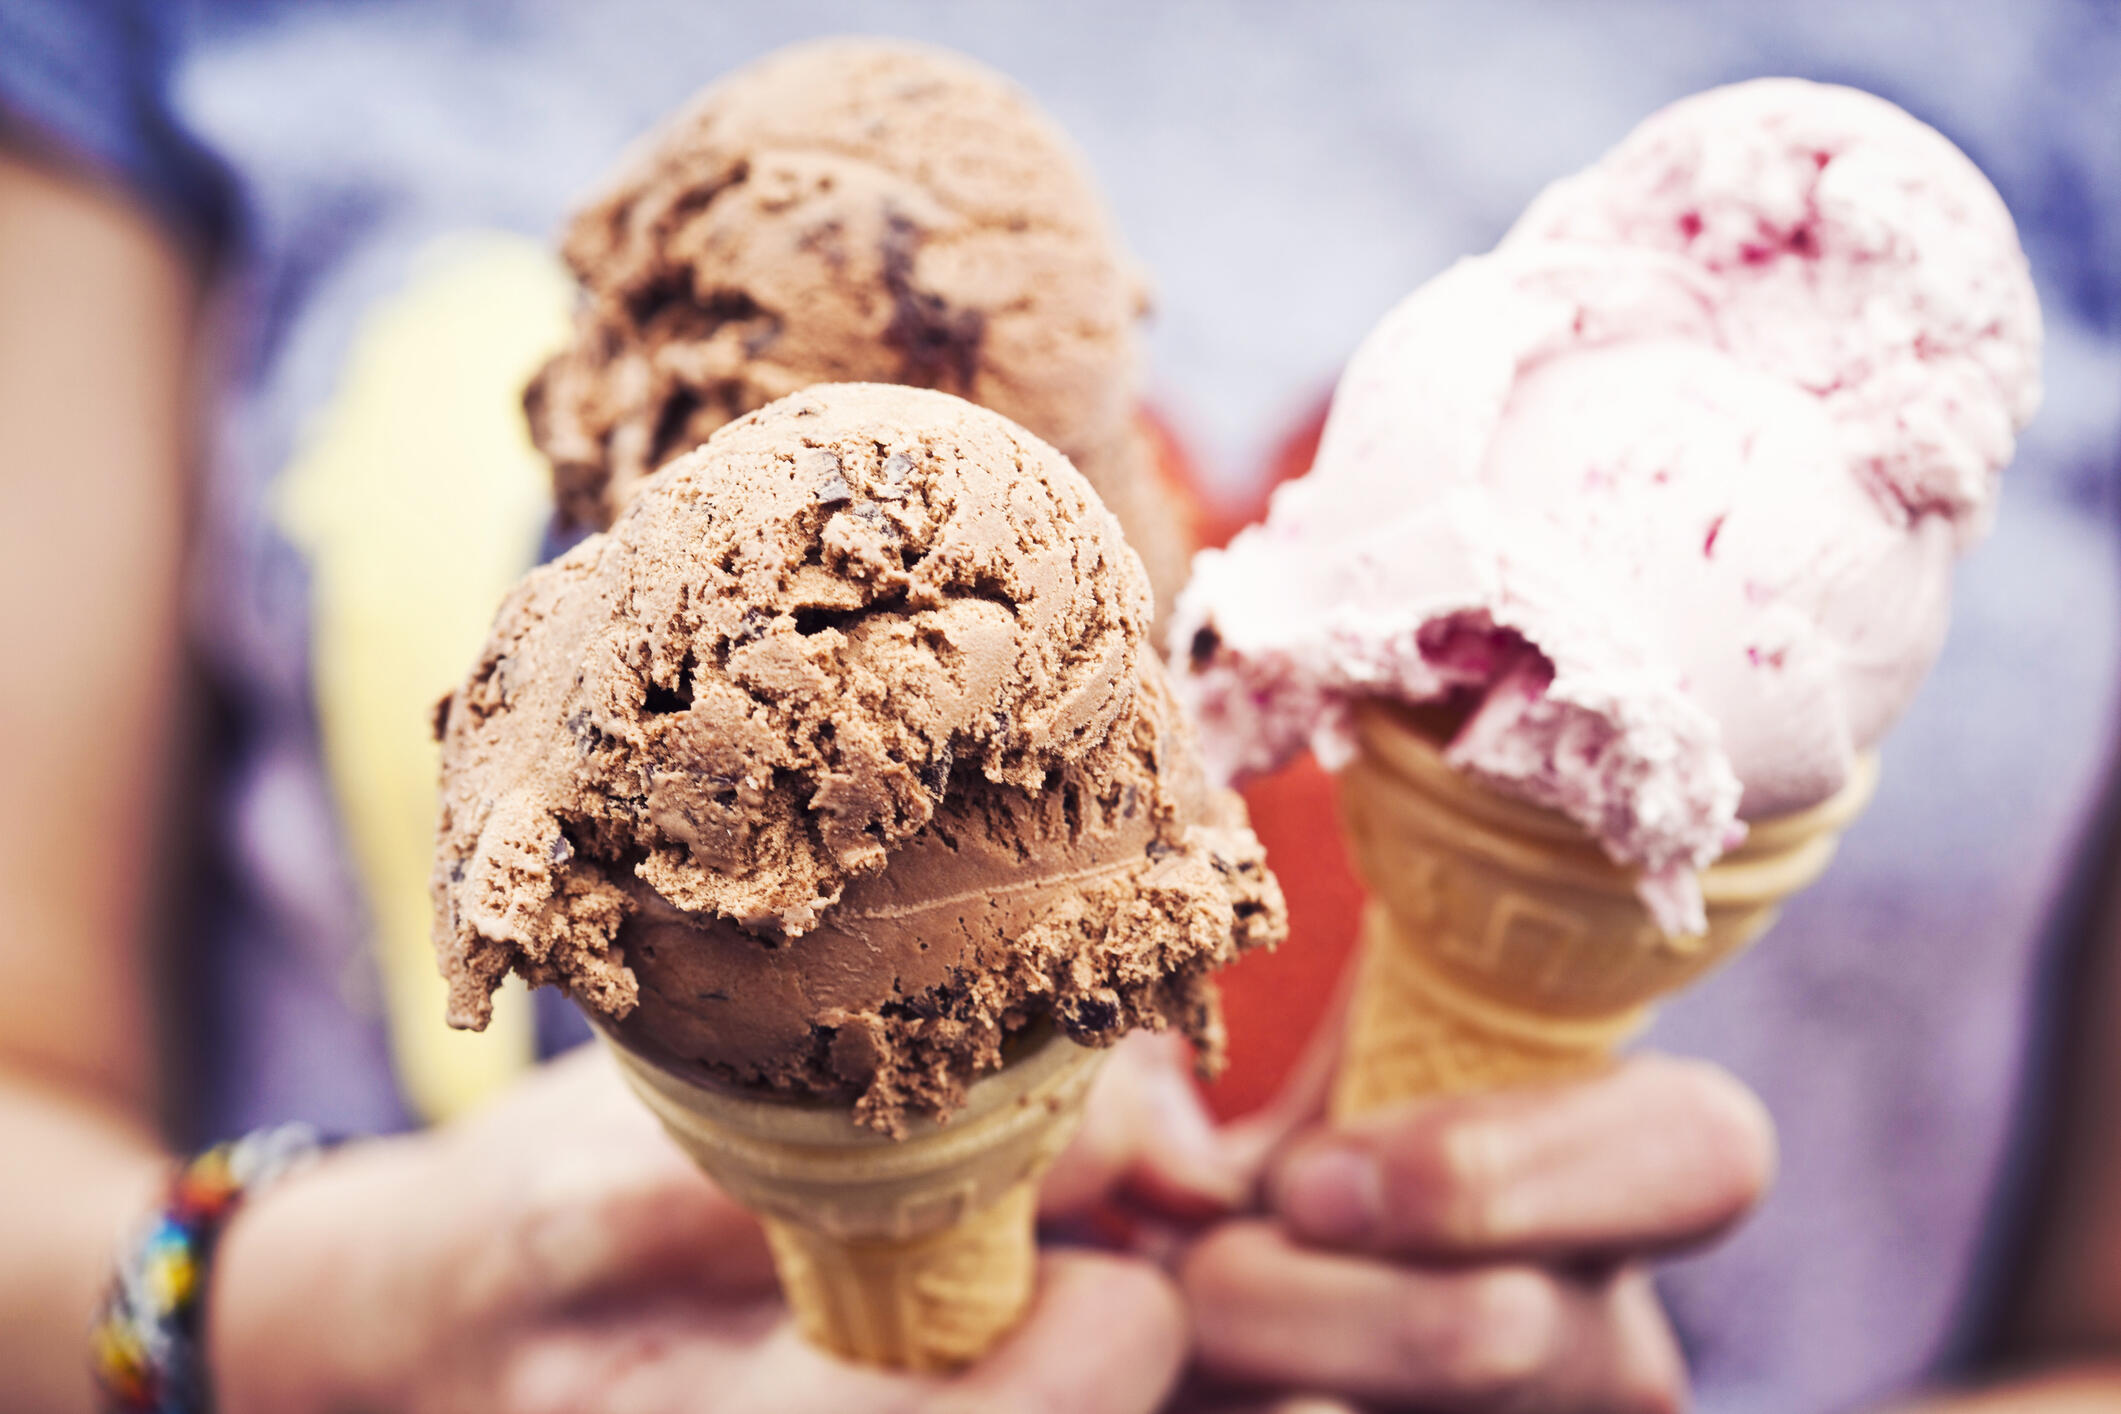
1668	516
1863	257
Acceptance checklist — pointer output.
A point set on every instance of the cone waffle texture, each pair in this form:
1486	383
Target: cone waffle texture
916	1253
1500	946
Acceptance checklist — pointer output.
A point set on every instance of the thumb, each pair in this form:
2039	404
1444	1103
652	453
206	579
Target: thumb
568	1189
1147	1131
1106	1334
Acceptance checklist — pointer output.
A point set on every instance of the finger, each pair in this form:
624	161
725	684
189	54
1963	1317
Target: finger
1266	1311
1251	1141
683	1357
1224	1400
1657	1154
1104	1334
599	1221
1147	1132
617	1207
635	1357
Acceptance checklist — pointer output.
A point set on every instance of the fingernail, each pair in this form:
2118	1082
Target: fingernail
1332	1194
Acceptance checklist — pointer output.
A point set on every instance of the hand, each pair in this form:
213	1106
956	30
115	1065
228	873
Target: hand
1481	1252
1147	1144
557	1253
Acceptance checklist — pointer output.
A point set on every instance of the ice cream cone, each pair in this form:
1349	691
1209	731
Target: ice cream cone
1500	945
916	1253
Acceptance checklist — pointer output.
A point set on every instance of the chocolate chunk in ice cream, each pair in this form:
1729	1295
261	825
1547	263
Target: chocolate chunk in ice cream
1103	901
837	761
840	210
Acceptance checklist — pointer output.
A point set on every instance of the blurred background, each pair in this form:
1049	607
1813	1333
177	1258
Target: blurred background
379	185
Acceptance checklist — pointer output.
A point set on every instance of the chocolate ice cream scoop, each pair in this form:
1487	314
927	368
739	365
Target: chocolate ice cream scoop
1103	900
837	760
840	210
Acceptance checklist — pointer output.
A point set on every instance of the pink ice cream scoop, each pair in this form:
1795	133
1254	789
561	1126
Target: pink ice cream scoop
1665	491
1862	258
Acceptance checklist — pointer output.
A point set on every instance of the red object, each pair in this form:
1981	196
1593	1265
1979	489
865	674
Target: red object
1274	1001
1180	474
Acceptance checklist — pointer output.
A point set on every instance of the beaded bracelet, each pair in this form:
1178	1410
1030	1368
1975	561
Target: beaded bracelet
145	1344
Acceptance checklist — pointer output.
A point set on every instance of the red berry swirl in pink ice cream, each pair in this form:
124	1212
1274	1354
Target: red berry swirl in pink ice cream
1663	494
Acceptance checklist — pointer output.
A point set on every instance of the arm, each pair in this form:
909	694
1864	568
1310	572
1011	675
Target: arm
2068	1323
2083	1388
95	327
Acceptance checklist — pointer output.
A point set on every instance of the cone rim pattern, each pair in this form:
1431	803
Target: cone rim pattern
915	1253
1500	945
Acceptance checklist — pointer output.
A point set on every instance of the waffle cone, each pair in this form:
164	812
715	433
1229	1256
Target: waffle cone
916	1253
1500	946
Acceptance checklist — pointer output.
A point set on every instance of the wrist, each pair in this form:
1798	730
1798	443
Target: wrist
261	1339
312	1307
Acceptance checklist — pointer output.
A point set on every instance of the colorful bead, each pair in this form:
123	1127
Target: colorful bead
144	1344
